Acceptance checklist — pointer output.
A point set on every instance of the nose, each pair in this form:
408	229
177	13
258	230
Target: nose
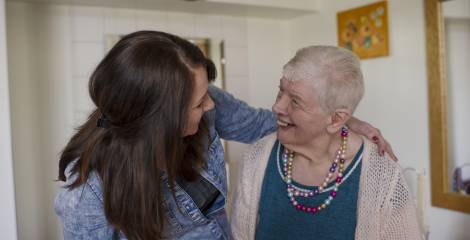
209	105
280	106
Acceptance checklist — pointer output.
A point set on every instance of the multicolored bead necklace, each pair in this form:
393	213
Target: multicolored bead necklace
338	163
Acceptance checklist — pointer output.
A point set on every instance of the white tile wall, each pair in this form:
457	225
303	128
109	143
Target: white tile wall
90	25
85	57
234	31
237	85
81	100
208	26
151	20
119	21
182	24
87	24
236	61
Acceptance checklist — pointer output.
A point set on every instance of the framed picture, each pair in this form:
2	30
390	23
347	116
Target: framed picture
364	30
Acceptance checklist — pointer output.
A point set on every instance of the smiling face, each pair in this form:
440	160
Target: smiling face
200	102
300	117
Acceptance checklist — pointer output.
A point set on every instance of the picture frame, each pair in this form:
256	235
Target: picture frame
364	30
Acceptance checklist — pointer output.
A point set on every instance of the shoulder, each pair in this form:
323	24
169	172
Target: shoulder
385	203
81	209
383	165
92	185
381	174
260	147
258	153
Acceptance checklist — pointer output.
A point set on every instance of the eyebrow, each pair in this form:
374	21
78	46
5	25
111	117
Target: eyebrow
293	93
280	83
297	97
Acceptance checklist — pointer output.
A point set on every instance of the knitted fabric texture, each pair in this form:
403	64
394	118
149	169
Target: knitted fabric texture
385	206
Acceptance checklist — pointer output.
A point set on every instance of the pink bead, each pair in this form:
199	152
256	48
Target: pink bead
304	208
298	207
309	209
338	179
333	194
314	210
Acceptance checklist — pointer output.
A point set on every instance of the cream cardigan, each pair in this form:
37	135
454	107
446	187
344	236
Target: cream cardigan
385	206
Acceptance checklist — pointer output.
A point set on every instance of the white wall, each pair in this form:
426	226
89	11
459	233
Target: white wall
54	48
456	9
396	91
41	108
7	200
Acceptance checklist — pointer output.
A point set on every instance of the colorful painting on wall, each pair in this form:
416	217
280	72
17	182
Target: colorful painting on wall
364	30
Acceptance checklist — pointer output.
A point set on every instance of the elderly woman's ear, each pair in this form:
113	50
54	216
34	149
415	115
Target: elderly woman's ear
338	119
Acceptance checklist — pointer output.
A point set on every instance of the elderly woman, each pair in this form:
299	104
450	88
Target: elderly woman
315	179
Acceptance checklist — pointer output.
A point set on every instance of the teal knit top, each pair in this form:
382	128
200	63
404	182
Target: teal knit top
278	219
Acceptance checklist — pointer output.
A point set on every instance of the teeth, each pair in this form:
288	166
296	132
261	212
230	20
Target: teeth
282	124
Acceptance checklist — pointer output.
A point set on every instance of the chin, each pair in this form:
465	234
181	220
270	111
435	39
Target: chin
190	133
283	137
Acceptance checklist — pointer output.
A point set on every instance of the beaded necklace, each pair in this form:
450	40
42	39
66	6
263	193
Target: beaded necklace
338	163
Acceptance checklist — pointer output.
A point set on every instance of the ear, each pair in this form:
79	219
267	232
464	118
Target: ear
338	119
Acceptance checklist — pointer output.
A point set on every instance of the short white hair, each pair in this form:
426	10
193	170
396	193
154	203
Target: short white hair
335	74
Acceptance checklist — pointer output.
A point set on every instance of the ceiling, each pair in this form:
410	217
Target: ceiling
274	9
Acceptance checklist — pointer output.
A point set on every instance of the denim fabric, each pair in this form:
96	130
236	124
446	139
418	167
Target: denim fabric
201	191
81	209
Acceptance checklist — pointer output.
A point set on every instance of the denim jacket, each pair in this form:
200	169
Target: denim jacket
81	209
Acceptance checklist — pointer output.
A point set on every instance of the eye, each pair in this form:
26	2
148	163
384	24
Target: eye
203	102
295	103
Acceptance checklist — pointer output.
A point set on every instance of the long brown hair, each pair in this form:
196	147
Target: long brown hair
141	89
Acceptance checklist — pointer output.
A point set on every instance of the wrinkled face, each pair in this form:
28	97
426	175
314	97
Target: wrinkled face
200	102
300	117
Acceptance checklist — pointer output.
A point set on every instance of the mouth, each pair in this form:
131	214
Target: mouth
283	124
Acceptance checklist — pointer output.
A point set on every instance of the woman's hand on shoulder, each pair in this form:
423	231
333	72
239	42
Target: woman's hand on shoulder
373	134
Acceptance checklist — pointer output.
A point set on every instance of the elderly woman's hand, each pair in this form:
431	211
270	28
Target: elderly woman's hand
373	134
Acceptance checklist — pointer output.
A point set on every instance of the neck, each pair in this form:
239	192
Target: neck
318	151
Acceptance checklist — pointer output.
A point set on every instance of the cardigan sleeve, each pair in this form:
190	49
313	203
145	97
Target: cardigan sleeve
401	221
244	205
